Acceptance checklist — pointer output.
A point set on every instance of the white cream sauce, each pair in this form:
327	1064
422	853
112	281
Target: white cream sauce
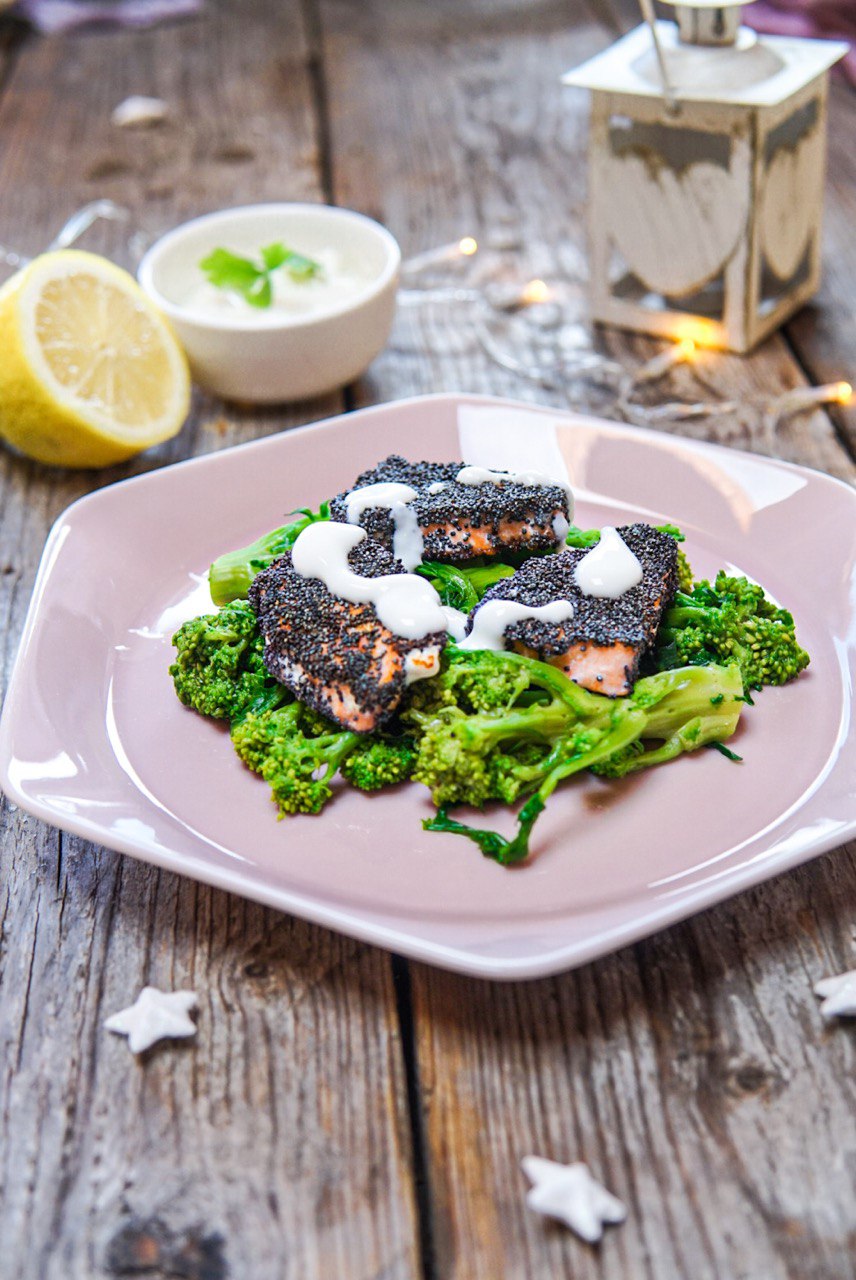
560	527
609	569
482	475
420	664
340	280
407	542
492	620
456	622
404	602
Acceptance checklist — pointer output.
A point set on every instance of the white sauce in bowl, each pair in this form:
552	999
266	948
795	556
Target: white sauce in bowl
339	281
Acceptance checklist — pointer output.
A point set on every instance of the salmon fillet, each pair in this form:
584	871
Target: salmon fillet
460	521
600	647
335	656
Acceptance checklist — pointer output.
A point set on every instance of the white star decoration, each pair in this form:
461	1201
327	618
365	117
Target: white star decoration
838	995
570	1193
155	1015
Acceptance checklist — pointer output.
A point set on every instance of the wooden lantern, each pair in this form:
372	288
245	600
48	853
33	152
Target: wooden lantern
707	155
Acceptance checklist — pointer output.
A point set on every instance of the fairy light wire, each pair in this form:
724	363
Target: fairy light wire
496	301
493	302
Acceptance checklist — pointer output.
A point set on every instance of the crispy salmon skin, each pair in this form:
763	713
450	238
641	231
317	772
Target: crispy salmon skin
460	521
600	647
336	656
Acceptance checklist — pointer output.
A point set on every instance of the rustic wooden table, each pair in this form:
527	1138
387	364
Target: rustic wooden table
343	1113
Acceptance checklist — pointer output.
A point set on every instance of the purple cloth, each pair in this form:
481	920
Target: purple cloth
816	19
51	16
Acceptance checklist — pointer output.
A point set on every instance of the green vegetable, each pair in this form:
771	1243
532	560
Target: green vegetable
219	672
725	751
296	752
231	574
219	669
731	621
685	573
491	726
462	586
227	270
380	760
499	726
582	538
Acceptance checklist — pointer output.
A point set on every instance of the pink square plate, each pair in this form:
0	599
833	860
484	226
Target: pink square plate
93	740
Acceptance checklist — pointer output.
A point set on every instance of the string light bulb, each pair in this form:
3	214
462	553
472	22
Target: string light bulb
679	353
445	254
534	292
802	398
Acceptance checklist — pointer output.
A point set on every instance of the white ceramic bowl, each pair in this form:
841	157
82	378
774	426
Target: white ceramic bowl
269	355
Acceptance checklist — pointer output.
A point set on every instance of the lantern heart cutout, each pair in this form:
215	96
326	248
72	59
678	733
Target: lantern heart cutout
789	205
675	230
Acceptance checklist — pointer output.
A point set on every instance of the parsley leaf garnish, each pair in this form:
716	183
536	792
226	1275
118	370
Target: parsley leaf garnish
227	270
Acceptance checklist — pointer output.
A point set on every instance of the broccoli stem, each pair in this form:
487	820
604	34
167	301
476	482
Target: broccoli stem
336	747
507	852
673	707
230	575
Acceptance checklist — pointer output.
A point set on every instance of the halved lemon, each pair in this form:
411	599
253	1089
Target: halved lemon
90	371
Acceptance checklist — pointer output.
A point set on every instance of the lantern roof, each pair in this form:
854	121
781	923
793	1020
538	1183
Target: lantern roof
756	71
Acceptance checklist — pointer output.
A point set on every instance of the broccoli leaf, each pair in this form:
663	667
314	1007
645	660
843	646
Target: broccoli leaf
462	586
582	538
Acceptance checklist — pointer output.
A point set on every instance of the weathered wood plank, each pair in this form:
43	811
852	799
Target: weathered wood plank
277	1143
501	155
686	1070
693	1074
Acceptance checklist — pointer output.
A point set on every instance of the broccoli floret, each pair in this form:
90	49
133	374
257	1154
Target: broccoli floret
219	669
499	726
379	761
297	762
479	680
685	573
731	621
230	575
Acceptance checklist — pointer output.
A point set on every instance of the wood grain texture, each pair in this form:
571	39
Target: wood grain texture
276	1144
692	1071
483	141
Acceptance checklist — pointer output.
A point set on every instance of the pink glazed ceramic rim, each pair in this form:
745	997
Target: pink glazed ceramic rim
93	740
